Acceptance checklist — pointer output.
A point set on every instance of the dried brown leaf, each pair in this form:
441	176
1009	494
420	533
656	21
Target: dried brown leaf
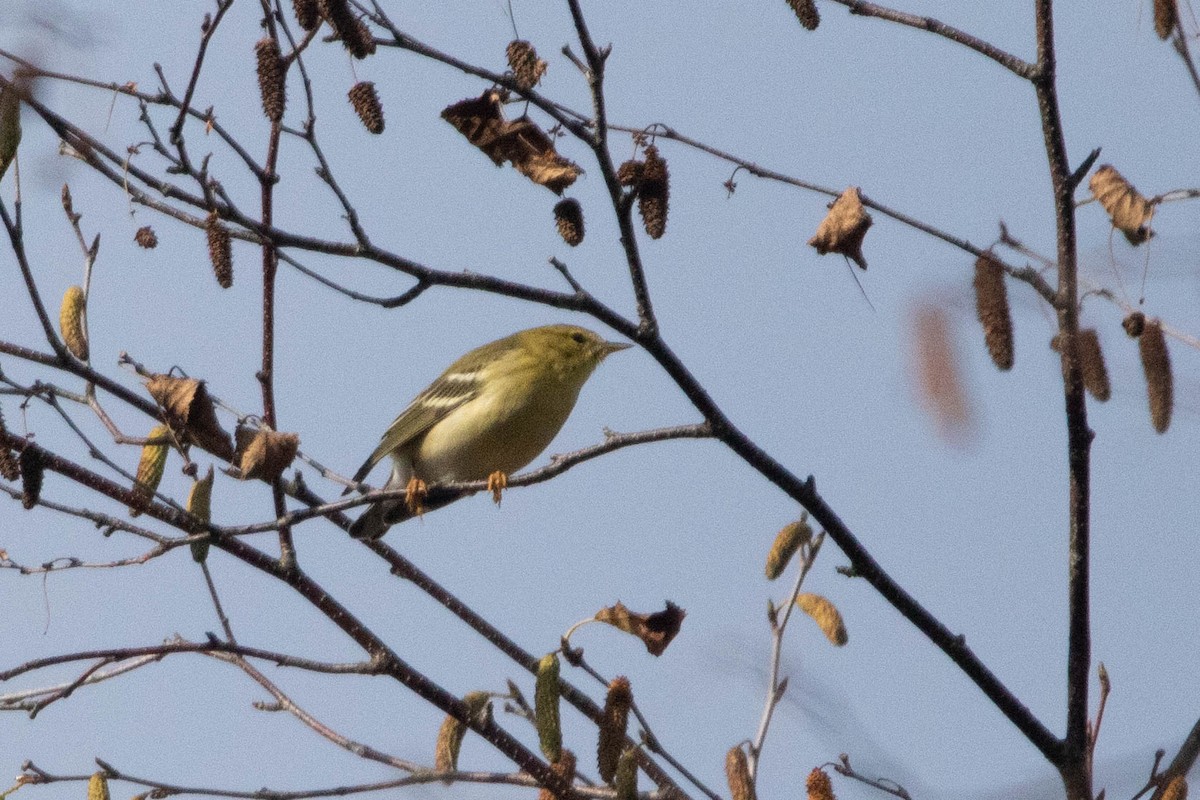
189	411
656	630
265	454
1129	211
844	228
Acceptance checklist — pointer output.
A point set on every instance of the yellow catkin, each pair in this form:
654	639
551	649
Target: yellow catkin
826	615
1166	17
818	785
806	12
568	218
450	735
33	470
98	787
1160	385
737	772
270	78
70	322
150	468
612	727
564	768
146	238
654	194
10	125
625	781
366	104
199	505
1177	789
1091	364
787	541
991	304
220	250
546	697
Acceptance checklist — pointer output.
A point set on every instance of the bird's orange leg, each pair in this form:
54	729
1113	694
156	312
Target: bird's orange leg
497	483
415	499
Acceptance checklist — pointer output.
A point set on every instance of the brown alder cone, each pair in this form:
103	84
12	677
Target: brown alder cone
1166	17
270	78
10	470
32	471
806	12
630	173
991	304
568	218
1156	364
523	60
220	250
146	238
307	14
612	727
737	772
366	104
654	194
819	786
564	768
353	32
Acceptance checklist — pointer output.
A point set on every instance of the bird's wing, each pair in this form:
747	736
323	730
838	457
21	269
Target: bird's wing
451	390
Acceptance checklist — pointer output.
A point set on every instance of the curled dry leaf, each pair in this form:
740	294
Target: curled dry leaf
264	454
520	142
655	630
545	707
786	543
150	467
1129	211
613	726
737	773
826	615
844	227
564	768
189	410
818	785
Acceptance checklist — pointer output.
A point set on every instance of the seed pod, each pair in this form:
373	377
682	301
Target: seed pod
33	469
523	60
271	78
787	541
220	250
353	32
568	216
844	228
625	780
737	772
307	14
10	125
545	704
563	768
818	785
366	104
630	173
806	12
612	727
146	238
1129	211
1177	789
10	470
150	468
1166	17
1134	324
98	787
1091	364
654	194
199	505
826	615
1156	363
70	322
991	304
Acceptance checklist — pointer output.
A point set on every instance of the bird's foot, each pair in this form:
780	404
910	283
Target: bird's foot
415	497
497	483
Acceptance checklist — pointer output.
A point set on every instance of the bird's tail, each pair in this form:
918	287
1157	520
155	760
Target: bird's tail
375	521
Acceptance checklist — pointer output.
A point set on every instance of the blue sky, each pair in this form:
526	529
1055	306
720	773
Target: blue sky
782	338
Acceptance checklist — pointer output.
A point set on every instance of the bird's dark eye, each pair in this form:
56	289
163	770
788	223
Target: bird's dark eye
578	337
